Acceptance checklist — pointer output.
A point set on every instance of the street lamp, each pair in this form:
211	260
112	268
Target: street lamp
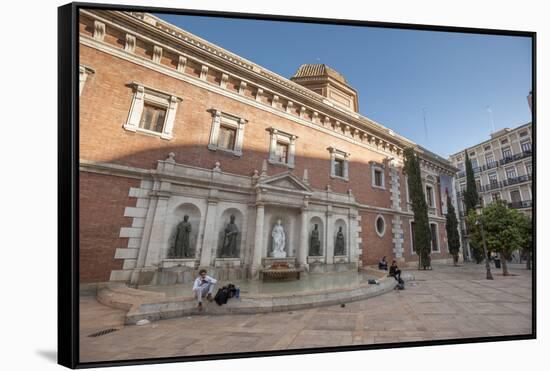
479	222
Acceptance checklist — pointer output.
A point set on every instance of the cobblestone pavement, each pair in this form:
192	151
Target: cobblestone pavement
445	303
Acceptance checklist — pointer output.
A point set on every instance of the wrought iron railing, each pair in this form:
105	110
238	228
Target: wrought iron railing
494	164
521	204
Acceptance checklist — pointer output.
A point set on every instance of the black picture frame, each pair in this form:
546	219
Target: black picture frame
68	183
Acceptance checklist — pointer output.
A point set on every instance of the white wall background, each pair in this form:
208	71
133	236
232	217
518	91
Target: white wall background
28	268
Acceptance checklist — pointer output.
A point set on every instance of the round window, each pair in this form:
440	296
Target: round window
380	225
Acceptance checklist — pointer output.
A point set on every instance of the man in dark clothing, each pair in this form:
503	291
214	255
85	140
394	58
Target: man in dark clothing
394	271
383	264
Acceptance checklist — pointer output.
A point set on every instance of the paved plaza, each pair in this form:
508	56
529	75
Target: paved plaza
445	303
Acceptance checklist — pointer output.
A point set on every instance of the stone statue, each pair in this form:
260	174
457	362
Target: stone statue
229	246
314	242
182	245
278	235
340	246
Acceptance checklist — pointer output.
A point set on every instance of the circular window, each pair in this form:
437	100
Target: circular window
380	225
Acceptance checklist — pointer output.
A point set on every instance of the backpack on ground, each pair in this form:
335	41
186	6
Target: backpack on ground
221	296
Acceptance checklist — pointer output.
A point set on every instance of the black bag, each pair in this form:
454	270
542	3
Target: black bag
221	296
232	290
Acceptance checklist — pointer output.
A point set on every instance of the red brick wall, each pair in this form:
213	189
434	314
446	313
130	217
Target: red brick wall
102	202
102	137
374	246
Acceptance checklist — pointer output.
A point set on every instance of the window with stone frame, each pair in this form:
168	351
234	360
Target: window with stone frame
380	225
495	196
526	145
378	177
152	111
430	196
84	72
282	148
152	118
226	133
506	152
489	158
226	137
493	178
511	173
339	167
478	184
528	168
282	152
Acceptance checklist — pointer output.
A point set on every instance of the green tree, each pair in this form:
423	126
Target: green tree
421	227
451	226
471	199
527	225
506	230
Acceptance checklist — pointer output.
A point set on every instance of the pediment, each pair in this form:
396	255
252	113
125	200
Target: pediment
285	182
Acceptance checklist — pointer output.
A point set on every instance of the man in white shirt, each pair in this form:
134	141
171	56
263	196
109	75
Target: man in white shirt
203	286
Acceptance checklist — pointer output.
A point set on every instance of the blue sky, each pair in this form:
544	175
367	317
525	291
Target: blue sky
400	75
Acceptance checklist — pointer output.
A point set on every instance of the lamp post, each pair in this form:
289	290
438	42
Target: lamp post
479	222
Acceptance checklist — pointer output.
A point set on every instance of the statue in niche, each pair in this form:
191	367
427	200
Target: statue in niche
229	246
182	244
315	242
278	236
340	246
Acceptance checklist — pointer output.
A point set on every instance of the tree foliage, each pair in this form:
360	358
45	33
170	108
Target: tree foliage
505	230
471	199
421	227
451	226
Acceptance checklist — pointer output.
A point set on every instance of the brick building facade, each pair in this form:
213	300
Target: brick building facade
171	125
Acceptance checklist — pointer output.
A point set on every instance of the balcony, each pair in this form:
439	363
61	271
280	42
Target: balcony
494	164
521	204
505	183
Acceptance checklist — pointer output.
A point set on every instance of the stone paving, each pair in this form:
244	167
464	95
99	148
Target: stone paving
445	303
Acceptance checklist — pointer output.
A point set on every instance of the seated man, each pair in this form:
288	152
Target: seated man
383	264
203	286
394	271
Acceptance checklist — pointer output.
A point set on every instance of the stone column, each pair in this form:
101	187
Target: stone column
157	231
210	236
258	237
302	250
330	235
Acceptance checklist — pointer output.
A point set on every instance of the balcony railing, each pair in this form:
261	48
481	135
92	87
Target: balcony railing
492	165
521	204
505	183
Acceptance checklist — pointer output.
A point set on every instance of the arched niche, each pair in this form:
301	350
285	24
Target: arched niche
320	227
223	222
194	219
286	222
337	224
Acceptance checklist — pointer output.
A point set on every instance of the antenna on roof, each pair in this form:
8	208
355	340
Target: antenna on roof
425	126
488	108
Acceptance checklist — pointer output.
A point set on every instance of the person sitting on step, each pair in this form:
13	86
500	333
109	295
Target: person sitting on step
395	272
203	286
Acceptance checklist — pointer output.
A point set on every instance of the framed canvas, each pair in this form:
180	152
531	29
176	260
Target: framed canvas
239	185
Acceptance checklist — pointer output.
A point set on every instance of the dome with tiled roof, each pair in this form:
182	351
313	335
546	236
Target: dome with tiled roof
329	83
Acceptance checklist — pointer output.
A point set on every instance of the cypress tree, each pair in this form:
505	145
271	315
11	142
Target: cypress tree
422	231
451	225
471	199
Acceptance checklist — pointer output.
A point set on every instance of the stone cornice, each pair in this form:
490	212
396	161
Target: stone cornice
162	34
320	196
